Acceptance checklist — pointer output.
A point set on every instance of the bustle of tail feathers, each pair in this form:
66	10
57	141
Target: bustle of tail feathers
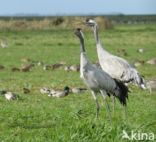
138	79
121	92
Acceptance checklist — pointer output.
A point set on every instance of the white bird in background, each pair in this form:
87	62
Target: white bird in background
55	93
45	90
4	43
98	80
60	93
116	67
10	96
78	90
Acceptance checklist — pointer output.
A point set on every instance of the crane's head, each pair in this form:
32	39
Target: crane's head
90	22
78	32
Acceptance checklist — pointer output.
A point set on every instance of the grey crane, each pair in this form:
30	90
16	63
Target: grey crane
115	66
98	80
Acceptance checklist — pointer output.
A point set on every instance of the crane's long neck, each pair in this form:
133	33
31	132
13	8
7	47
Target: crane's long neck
82	47
96	36
100	49
83	58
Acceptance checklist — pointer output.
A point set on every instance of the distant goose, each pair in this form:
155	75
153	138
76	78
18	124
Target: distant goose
47	67
78	90
26	68
10	96
67	68
75	68
2	67
4	43
152	61
26	90
37	63
59	94
122	52
26	60
72	68
151	85
139	62
53	66
15	69
57	65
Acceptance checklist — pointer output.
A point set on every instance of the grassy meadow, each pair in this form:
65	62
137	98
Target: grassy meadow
38	118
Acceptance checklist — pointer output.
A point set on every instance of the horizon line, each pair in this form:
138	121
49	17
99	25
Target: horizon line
76	14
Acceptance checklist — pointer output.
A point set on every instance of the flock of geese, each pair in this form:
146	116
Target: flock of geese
62	93
110	79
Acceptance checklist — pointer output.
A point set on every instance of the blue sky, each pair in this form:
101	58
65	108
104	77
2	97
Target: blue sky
71	7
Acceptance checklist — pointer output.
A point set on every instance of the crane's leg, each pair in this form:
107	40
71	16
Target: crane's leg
97	104
113	99
150	90
103	93
125	107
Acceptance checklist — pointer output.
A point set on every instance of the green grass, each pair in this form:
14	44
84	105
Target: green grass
38	118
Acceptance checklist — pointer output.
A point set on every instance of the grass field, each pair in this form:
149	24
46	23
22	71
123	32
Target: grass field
38	118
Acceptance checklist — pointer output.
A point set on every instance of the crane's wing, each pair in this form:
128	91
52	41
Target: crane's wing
97	78
117	68
120	69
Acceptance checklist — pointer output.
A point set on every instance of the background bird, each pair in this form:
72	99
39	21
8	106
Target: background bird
4	43
115	66
59	94
10	96
45	90
77	90
98	80
2	67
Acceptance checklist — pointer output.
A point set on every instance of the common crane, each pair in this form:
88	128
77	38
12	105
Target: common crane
98	80
115	66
